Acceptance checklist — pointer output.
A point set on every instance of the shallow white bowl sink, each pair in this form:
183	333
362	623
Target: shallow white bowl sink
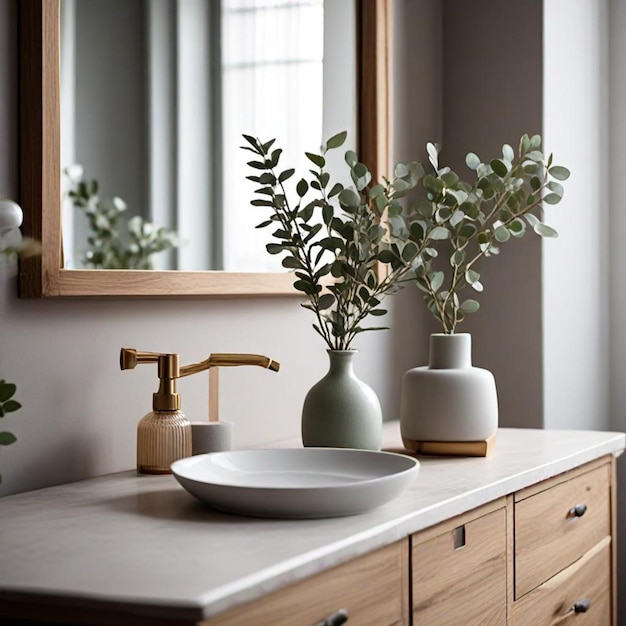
296	483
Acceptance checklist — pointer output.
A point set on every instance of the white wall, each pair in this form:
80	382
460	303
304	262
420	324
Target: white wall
575	266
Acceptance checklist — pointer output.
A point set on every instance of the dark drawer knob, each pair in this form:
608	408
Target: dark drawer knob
577	511
582	606
336	619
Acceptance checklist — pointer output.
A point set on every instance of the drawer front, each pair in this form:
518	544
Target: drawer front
585	585
462	584
550	536
372	589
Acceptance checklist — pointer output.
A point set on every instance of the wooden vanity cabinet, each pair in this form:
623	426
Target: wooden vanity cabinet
540	556
540	553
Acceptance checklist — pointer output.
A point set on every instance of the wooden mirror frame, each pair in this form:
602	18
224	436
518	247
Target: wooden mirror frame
40	166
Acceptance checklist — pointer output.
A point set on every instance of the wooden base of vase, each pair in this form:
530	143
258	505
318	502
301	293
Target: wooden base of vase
451	448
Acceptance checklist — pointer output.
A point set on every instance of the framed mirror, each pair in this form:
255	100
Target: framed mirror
41	176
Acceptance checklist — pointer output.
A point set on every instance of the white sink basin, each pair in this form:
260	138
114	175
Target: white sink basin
296	483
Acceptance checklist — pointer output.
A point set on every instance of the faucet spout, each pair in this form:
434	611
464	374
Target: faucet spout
230	360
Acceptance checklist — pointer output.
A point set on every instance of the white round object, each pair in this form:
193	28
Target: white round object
296	483
11	215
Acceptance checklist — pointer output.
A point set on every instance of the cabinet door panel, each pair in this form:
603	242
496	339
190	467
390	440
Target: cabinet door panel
580	595
459	577
550	535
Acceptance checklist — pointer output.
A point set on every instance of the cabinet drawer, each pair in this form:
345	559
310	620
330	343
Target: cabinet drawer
462	584
586	581
549	536
373	589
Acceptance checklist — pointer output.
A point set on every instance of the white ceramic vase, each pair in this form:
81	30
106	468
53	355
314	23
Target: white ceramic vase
449	400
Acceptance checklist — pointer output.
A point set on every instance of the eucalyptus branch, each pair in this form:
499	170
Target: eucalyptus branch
346	255
514	185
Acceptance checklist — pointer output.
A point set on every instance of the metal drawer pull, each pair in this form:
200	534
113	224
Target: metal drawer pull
582	606
336	619
577	511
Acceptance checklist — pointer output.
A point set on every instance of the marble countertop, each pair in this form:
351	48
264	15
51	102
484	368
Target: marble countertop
144	544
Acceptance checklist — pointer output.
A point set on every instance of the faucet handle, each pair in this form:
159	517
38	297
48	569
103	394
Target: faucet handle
130	358
168	363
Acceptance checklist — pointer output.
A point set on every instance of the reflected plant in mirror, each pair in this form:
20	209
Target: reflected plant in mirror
109	247
334	242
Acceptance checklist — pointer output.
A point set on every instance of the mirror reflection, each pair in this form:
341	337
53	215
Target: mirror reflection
155	95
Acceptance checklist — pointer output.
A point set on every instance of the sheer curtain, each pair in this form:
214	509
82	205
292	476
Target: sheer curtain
272	80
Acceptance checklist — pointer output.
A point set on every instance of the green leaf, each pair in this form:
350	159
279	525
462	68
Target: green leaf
337	140
508	153
472	161
457	258
285	175
470	306
349	198
327	300
292	263
436	280
6	391
433	156
450	179
556	188
552	198
274	248
262	203
305	286
378	313
559	172
438	233
400	170
251	140
471	276
275	157
409	252
544	230
386	256
337	188
302	187
6	438
318	160
267	145
502	233
11	405
351	158
517	227
499	167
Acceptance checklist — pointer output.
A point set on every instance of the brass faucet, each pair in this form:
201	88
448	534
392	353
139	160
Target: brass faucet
169	369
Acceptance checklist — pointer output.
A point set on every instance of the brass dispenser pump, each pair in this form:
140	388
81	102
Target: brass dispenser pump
164	434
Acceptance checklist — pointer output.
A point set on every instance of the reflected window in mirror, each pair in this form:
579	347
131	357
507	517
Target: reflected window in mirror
155	95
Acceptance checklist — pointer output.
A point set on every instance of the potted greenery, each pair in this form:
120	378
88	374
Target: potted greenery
334	243
469	220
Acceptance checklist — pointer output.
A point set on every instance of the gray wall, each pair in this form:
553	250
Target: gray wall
616	274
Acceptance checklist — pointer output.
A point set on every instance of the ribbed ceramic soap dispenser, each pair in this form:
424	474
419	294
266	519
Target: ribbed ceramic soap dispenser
165	435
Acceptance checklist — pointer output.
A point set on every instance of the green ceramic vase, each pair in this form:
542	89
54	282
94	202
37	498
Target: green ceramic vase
341	411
